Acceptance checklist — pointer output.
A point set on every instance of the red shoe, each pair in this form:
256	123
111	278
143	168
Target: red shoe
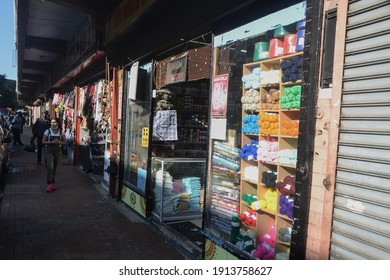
49	188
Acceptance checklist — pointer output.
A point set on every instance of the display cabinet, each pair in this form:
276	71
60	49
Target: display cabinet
178	187
268	158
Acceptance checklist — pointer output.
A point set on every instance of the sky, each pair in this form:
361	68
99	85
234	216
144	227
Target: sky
7	44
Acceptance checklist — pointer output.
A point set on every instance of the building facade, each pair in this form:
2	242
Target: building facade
206	123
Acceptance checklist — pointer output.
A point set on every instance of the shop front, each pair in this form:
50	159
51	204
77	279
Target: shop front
256	91
194	160
165	139
93	128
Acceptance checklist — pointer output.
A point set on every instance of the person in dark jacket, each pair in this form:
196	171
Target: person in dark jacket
16	126
39	128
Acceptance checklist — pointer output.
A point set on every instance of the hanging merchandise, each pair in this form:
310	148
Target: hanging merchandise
88	109
70	100
102	109
57	98
164	100
98	135
165	125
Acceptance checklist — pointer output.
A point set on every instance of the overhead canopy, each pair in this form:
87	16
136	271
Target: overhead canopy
44	30
55	38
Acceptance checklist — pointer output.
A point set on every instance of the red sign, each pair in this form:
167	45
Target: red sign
219	95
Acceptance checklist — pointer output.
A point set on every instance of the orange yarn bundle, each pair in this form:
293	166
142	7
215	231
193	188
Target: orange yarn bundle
269	123
290	128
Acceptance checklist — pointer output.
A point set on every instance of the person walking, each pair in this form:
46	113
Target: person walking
16	126
53	138
38	129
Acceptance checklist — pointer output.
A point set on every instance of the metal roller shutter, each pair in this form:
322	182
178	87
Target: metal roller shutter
361	218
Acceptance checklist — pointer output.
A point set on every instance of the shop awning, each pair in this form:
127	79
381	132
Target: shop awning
98	55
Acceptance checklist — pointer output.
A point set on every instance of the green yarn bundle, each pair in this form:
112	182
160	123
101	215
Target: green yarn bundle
291	98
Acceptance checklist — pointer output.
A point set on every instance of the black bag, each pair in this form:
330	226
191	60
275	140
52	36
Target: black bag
30	147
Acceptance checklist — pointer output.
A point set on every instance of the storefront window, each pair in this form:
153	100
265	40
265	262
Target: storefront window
179	138
255	101
137	127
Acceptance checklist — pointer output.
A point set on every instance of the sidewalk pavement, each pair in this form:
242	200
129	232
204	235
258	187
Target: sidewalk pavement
78	221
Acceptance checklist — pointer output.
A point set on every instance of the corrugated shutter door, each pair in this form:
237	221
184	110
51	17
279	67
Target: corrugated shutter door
361	218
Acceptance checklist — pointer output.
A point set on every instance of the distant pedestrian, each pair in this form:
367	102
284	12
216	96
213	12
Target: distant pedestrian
16	126
53	138
38	129
23	122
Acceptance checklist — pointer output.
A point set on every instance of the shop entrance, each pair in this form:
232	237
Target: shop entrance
179	141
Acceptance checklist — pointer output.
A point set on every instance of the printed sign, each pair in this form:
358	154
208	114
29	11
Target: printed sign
219	96
145	137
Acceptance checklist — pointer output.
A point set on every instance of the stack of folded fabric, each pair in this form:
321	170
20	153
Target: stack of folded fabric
184	202
164	195
225	196
192	186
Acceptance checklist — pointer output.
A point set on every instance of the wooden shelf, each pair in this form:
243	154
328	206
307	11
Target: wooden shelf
248	226
245	204
270	135
292	83
284	217
291	55
250	181
270	85
273	213
288	166
288	136
270	163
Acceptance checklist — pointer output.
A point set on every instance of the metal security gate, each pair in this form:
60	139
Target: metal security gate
361	218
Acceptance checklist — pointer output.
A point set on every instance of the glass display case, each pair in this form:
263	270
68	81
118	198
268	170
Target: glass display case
178	187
